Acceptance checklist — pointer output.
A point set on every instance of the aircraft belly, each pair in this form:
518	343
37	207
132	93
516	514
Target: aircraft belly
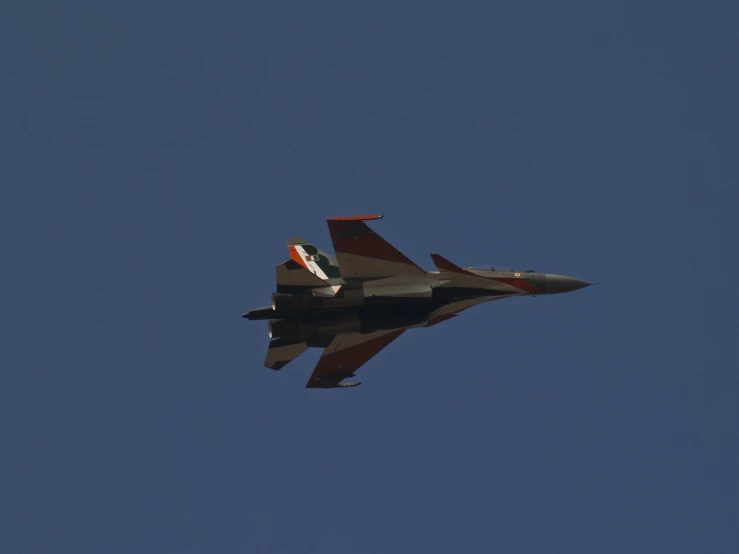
398	290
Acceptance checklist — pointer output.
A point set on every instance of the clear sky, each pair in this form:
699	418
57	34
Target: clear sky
155	157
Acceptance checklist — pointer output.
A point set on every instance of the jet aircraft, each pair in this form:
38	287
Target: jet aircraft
356	304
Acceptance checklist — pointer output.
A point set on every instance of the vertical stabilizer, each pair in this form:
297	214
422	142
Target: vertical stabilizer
312	258
308	268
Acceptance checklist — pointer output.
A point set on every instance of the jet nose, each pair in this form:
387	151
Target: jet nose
559	283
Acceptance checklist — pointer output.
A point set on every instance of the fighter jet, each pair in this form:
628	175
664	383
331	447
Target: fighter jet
356	304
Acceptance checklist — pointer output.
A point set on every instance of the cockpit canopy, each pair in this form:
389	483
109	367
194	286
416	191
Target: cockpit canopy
489	268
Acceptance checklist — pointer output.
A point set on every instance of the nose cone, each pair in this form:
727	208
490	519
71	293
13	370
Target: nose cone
559	283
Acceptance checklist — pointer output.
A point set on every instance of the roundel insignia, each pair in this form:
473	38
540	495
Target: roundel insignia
517	274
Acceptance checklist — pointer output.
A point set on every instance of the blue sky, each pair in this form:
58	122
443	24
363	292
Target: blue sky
155	158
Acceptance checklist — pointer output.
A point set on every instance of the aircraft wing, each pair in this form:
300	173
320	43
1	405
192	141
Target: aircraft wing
346	354
363	254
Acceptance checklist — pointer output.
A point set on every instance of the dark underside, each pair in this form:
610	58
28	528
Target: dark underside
380	308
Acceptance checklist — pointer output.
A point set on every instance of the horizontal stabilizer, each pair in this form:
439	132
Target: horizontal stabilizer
282	351
327	292
291	277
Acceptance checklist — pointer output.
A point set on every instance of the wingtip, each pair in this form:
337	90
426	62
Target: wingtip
356	218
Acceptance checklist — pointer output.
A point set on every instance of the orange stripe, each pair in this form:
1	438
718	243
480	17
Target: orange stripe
296	257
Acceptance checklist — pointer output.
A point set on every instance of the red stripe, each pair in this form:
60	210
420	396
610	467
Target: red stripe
350	359
439	319
518	283
445	265
356	239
